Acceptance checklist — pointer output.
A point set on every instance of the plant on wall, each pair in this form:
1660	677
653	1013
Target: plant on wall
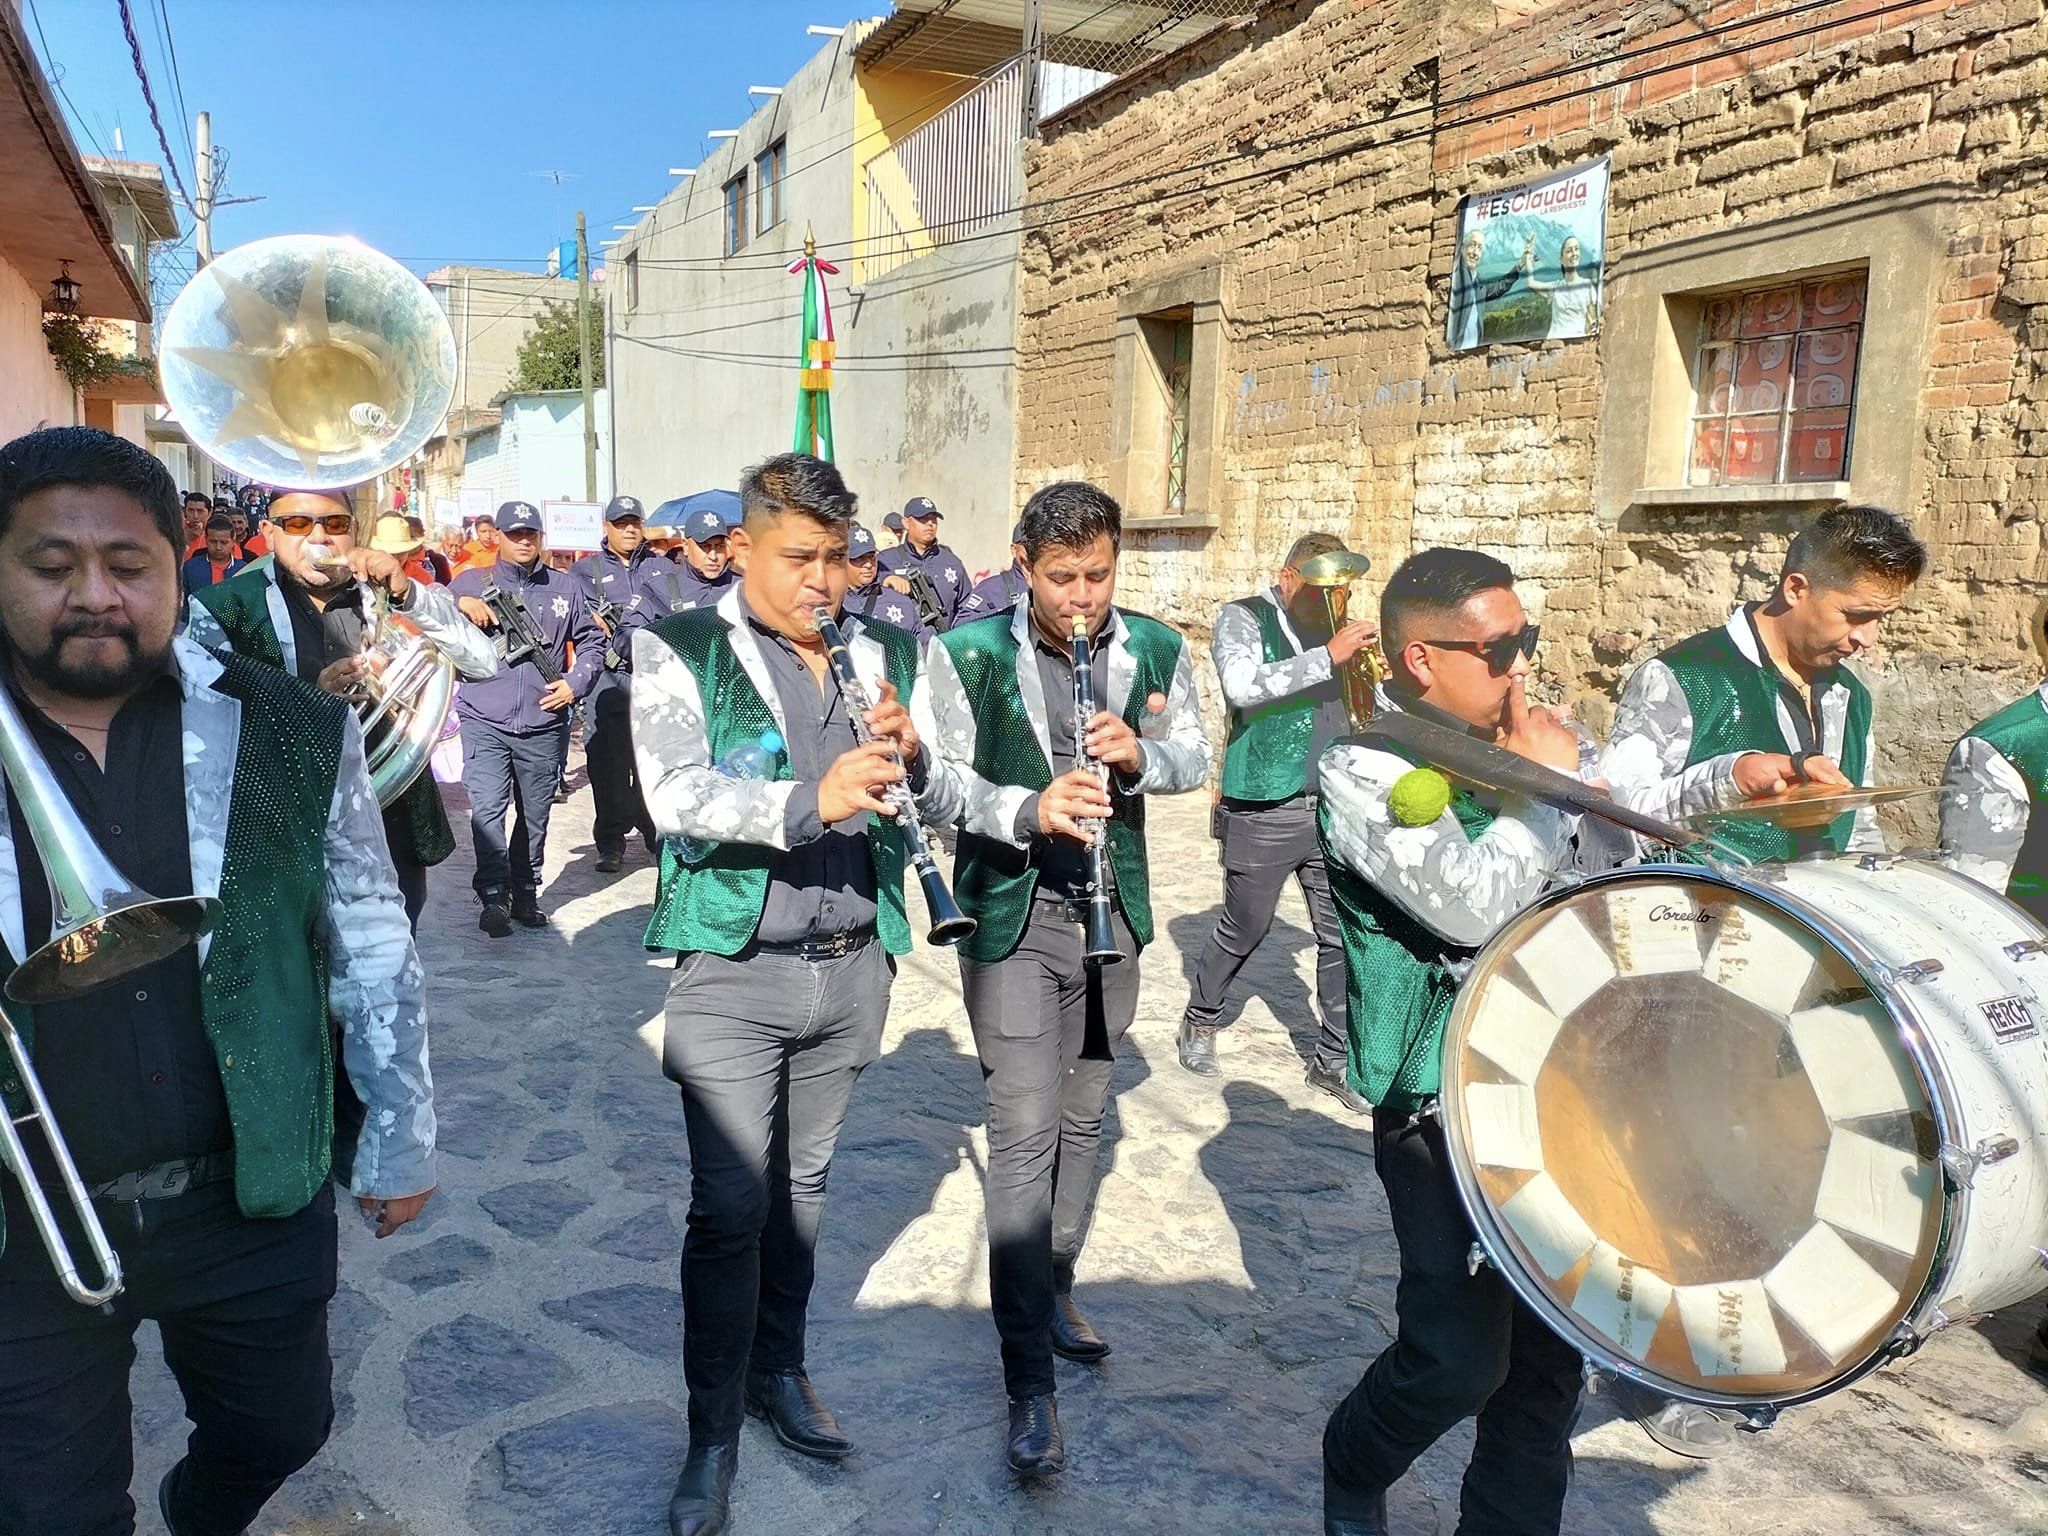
75	345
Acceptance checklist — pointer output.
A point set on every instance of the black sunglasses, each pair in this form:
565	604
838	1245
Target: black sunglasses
1500	653
298	523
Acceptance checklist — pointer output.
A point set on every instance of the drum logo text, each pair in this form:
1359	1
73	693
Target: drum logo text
2010	1019
1679	915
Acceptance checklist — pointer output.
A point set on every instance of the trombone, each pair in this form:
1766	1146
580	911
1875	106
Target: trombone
101	928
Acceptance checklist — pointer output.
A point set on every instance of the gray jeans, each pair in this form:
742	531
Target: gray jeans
1261	849
1030	1015
767	1048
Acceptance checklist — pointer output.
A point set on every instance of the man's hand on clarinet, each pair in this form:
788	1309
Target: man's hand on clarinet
1111	741
1351	639
1536	733
1772	773
852	785
392	1214
1074	797
888	718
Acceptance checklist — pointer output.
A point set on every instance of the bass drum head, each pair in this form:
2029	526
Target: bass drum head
1692	1139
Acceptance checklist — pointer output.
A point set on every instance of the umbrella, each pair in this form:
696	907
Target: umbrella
726	504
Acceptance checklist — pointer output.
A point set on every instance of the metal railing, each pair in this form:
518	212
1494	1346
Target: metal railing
946	179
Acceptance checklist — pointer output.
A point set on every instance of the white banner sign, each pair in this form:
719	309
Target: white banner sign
447	512
573	524
475	502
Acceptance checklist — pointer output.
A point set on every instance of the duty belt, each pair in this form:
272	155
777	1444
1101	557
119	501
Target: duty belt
166	1181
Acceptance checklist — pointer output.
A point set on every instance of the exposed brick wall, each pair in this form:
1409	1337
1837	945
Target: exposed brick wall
1346	410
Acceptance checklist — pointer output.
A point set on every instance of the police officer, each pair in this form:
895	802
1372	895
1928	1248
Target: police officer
865	593
512	723
994	593
626	587
921	551
706	568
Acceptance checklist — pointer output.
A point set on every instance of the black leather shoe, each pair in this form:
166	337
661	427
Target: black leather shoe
792	1408
1073	1336
1352	1511
1198	1048
497	919
163	1499
526	910
1036	1449
1333	1082
702	1502
610	863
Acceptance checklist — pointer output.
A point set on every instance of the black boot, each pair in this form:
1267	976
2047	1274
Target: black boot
1198	1047
1352	1511
497	918
794	1411
526	910
1036	1449
163	1499
1073	1336
1336	1083
702	1501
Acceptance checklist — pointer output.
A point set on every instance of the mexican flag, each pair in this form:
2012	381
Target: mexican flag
814	356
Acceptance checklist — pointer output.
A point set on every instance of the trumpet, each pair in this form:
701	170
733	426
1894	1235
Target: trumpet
949	924
101	928
1099	940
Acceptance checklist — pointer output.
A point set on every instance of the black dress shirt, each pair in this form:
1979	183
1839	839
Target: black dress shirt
1061	862
129	1070
321	636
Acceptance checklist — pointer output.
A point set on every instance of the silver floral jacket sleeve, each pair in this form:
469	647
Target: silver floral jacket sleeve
686	794
1865	835
1984	811
375	989
945	723
202	628
433	608
940	800
1247	678
1173	746
1460	888
1645	760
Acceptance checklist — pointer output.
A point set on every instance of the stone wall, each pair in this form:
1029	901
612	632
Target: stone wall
1317	156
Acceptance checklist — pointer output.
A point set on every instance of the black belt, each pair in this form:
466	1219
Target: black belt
1072	909
839	945
166	1181
1305	801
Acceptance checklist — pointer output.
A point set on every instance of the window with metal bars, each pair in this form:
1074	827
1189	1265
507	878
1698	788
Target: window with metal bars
1774	382
736	214
768	168
1179	374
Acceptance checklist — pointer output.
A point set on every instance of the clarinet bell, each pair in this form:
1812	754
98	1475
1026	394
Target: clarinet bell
949	924
1100	946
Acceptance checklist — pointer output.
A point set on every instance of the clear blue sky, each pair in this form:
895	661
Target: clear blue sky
421	127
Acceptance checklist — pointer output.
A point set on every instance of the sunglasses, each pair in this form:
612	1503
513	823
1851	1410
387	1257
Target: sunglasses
297	524
1499	653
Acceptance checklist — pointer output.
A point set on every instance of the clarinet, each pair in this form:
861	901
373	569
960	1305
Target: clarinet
949	924
1099	947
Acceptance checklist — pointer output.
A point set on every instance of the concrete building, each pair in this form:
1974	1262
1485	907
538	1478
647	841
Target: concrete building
131	405
897	146
491	310
1249	338
53	220
534	451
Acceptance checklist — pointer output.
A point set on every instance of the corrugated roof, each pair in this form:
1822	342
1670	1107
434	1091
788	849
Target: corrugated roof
972	37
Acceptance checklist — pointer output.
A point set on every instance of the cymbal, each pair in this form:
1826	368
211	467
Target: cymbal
1808	807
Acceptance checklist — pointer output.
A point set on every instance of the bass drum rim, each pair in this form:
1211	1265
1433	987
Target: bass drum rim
1496	1246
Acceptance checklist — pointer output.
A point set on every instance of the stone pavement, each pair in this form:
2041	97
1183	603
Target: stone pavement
509	1366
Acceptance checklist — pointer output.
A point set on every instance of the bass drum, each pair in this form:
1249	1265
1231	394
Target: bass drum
1742	1136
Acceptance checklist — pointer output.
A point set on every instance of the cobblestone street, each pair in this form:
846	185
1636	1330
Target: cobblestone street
511	1364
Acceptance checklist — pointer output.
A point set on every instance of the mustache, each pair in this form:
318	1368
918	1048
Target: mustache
93	629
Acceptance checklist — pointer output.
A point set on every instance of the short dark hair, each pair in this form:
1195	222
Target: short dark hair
796	482
88	457
1068	514
1845	544
218	523
1429	584
192	496
1308	546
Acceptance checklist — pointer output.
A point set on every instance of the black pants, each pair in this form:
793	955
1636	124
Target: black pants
507	773
1030	1014
614	784
767	1049
1262	848
241	1307
1465	1345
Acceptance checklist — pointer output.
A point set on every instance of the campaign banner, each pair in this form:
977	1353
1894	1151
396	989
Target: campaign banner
1530	260
475	502
572	524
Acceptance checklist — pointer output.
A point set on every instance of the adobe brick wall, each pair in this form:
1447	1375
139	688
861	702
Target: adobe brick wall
1347	412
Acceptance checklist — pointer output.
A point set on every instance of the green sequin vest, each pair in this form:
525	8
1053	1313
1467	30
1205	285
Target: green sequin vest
2019	733
241	606
1735	709
993	881
715	904
1396	982
1266	756
263	988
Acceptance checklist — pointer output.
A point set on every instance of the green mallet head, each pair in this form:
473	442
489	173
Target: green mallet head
1418	797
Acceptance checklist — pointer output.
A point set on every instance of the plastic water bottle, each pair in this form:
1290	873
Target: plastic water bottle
749	760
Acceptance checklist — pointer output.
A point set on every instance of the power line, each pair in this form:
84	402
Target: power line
167	49
149	100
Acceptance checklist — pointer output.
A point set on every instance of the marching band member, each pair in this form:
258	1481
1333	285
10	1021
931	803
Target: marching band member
626	589
191	1096
513	723
1276	660
1423	874
303	611
1766	701
792	873
1000	707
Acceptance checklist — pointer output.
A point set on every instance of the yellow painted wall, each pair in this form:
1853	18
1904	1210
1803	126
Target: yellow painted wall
887	104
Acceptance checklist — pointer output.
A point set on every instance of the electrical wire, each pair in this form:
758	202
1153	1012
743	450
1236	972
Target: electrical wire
149	100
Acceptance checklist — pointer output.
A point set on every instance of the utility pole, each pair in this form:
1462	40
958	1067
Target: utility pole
583	354
202	212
